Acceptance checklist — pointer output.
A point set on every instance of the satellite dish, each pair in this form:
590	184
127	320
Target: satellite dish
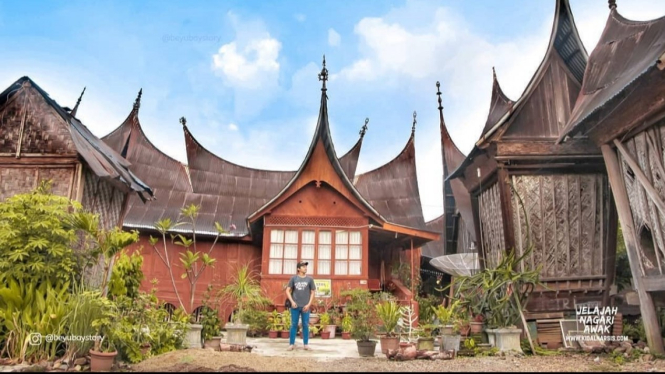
459	264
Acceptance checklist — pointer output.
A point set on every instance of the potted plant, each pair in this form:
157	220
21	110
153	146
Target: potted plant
477	323
449	325
426	337
407	323
447	317
286	323
324	322
389	313
361	308
103	354
210	322
245	291
346	327
275	325
464	325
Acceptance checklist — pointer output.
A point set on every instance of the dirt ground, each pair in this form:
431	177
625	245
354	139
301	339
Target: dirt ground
206	360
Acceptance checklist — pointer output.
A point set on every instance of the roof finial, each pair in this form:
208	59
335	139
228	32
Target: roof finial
413	128
137	103
438	93
363	130
613	4
76	106
183	121
323	75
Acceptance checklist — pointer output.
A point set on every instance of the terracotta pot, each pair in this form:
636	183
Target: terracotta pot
270	308
273	334
145	350
280	308
101	361
464	330
331	329
476	327
346	335
325	334
285	334
213	343
389	343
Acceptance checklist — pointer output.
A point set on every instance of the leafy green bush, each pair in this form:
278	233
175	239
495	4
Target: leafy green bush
635	330
37	236
127	275
363	313
257	320
212	324
85	306
28	313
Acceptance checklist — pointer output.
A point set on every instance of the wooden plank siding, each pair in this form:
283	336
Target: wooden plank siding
645	149
565	223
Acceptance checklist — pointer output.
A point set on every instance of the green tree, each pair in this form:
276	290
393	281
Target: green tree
37	237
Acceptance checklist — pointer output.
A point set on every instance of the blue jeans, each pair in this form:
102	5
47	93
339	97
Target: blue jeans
296	313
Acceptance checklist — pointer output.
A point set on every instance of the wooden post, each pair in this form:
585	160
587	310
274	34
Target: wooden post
412	272
506	209
647	307
639	174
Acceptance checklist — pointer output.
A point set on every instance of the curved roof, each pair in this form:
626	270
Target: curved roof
393	188
500	104
148	162
322	135
436	248
104	161
349	161
626	51
566	51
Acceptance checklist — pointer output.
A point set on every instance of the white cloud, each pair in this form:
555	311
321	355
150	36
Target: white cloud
334	38
250	66
233	127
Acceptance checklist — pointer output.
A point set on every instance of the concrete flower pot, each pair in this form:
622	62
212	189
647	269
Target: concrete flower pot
450	342
236	333
193	337
508	339
366	349
491	337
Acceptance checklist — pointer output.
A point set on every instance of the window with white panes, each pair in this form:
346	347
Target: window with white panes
307	248
348	252
283	251
325	250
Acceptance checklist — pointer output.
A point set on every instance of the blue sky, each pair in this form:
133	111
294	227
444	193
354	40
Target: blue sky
244	73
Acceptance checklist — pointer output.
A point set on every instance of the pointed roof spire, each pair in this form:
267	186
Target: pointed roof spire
613	4
363	130
323	75
183	121
413	128
438	93
137	103
76	107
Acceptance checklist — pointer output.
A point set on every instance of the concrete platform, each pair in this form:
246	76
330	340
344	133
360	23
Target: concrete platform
321	349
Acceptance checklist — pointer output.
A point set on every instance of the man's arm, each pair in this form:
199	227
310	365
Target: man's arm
289	290
312	287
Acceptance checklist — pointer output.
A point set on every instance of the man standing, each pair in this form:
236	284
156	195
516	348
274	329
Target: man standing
300	293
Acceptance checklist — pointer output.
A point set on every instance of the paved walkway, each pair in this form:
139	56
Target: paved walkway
321	349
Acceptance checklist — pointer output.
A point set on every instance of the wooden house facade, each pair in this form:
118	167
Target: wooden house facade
621	108
350	228
527	189
40	140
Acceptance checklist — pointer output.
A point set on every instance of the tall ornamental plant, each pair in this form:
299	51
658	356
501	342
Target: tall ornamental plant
192	260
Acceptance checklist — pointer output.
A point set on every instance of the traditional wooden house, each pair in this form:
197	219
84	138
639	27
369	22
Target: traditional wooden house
349	227
621	107
526	189
40	140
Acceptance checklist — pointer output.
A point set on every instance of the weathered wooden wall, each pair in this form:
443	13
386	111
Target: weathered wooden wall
228	257
21	178
649	221
491	225
567	222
